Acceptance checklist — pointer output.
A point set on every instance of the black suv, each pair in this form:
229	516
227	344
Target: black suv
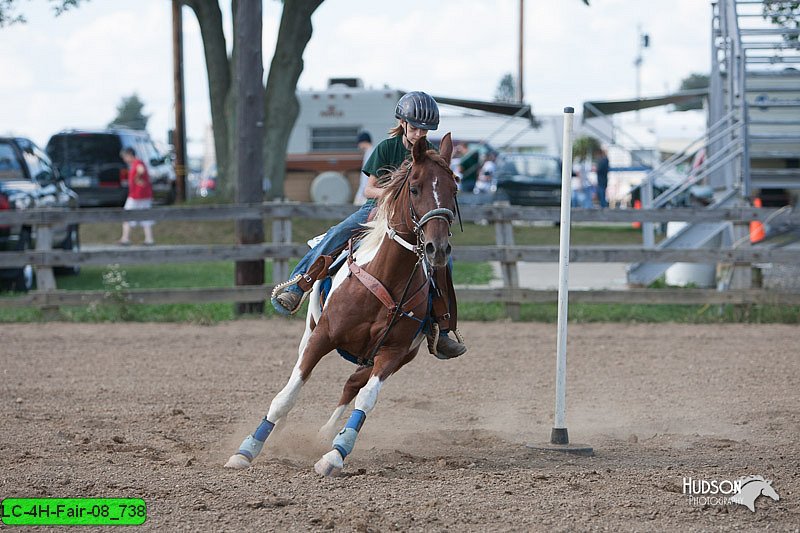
27	180
527	179
90	163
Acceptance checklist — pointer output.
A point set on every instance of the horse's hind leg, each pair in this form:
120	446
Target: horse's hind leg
354	383
312	349
331	463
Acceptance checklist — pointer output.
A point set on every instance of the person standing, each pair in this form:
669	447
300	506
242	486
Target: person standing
486	176
140	196
364	141
602	168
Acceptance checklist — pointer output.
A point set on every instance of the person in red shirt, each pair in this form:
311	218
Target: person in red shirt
140	196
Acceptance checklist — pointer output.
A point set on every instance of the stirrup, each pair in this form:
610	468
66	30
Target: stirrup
278	289
433	338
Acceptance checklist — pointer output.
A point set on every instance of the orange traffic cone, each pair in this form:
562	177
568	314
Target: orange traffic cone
757	232
637	204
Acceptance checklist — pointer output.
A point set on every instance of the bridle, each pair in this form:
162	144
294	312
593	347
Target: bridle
418	223
417	226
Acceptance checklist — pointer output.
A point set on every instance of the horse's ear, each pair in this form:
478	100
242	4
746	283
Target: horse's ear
446	147
419	150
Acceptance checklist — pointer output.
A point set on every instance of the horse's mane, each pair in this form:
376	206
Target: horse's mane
376	228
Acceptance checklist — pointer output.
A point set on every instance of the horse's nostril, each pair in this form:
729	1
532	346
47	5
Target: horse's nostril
448	249
430	248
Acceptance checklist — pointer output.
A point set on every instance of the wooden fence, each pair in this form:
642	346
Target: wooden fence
282	248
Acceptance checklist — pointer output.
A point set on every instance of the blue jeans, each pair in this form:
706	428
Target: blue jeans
336	237
601	194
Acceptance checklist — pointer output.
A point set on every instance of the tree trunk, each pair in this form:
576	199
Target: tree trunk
249	139
280	101
209	17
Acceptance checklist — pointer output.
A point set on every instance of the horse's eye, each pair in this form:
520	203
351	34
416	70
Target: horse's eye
414	191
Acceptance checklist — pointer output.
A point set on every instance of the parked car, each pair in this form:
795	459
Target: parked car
90	162
28	179
522	179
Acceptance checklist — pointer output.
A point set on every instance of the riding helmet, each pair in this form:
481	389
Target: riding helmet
418	109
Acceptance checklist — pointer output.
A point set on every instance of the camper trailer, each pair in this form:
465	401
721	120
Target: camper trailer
322	145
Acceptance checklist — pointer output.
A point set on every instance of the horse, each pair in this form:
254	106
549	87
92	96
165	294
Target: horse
377	307
751	488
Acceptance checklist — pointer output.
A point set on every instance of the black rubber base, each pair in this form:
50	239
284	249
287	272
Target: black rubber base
572	449
559	442
559	436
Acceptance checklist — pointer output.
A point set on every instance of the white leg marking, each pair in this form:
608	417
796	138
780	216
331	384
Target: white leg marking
367	396
331	427
285	399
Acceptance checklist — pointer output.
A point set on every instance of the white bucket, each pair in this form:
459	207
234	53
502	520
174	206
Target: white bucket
683	274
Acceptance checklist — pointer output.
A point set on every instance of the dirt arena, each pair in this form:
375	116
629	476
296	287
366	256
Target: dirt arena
154	410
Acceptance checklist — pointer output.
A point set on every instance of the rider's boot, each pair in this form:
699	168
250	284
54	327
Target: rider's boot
289	301
447	348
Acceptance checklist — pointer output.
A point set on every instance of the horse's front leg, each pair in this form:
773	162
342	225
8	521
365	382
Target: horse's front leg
354	383
386	364
312	349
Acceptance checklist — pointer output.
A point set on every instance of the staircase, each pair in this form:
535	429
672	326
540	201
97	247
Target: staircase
756	67
753	142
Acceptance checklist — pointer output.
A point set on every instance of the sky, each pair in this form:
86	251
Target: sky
72	71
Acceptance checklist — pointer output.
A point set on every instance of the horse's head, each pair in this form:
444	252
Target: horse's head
432	188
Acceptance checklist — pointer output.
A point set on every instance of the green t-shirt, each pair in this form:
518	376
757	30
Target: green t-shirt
387	157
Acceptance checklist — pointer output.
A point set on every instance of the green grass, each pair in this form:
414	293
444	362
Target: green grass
208	274
221	274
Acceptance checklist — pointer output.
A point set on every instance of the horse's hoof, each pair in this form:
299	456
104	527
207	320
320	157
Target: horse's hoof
238	462
330	465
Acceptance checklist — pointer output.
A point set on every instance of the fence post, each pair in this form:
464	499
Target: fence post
45	280
281	234
504	235
742	276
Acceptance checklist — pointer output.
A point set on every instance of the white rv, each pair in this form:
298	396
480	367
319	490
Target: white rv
324	136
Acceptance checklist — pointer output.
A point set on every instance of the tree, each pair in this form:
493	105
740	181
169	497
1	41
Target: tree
129	114
506	89
583	147
9	15
784	13
694	81
280	102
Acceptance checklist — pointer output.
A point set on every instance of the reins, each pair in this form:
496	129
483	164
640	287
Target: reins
380	292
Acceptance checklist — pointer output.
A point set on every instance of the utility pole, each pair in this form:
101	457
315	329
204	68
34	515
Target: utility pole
520	93
248	79
644	42
179	134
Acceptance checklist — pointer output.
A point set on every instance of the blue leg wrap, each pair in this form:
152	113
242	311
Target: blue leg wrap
346	439
252	444
264	429
356	419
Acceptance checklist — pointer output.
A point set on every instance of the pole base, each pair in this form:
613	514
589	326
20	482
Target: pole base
559	442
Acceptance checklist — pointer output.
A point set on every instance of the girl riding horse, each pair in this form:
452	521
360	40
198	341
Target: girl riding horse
417	113
377	307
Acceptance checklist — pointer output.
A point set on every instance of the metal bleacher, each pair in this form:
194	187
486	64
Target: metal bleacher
753	141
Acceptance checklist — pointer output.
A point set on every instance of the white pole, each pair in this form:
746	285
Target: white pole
559	435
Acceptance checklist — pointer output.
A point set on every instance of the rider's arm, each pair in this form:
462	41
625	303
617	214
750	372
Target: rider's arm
372	190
